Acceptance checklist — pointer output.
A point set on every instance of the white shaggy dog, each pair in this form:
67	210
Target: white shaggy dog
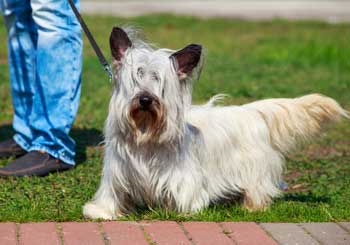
162	151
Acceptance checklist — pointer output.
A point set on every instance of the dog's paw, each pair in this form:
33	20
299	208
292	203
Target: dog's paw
93	211
254	207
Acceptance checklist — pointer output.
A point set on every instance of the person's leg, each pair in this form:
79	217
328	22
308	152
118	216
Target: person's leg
58	74
22	40
45	59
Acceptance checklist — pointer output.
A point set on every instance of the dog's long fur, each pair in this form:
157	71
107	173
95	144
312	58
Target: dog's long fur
184	157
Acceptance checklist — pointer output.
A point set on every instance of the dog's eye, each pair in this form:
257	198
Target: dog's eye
140	72
155	77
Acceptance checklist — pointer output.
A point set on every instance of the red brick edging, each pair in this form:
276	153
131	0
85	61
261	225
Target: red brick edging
123	232
170	232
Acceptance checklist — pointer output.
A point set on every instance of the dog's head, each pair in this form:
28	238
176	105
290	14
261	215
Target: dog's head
153	87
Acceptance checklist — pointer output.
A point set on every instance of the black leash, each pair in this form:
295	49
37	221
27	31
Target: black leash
92	41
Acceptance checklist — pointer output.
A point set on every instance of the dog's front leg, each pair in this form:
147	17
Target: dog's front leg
189	192
105	204
111	197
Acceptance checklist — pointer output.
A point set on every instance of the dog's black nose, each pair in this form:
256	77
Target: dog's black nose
145	101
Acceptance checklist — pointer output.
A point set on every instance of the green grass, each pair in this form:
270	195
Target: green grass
249	61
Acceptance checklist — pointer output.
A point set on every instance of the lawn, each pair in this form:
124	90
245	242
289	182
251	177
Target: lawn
247	60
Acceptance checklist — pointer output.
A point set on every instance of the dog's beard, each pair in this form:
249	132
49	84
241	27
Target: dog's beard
146	123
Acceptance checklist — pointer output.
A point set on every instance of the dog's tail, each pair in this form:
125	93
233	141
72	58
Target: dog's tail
293	120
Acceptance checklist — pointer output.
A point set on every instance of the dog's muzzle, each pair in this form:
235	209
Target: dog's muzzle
146	114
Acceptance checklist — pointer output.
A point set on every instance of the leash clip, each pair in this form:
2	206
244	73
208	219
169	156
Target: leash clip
108	69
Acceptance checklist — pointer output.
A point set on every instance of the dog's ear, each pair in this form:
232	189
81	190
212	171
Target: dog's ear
186	60
119	43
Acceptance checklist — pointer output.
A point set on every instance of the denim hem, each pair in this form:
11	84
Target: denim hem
21	142
25	146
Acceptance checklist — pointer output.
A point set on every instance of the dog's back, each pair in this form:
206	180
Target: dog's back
286	122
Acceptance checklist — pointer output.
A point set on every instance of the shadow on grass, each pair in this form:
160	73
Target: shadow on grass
83	137
305	197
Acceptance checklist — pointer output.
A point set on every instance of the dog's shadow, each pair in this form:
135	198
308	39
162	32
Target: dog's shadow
305	197
84	137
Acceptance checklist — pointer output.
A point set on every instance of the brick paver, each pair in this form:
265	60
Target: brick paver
38	233
247	233
328	233
170	232
8	234
207	233
166	232
126	233
81	233
288	233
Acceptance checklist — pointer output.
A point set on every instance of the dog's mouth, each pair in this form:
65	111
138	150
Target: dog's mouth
143	118
147	117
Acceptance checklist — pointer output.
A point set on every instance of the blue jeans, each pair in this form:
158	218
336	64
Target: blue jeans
45	59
